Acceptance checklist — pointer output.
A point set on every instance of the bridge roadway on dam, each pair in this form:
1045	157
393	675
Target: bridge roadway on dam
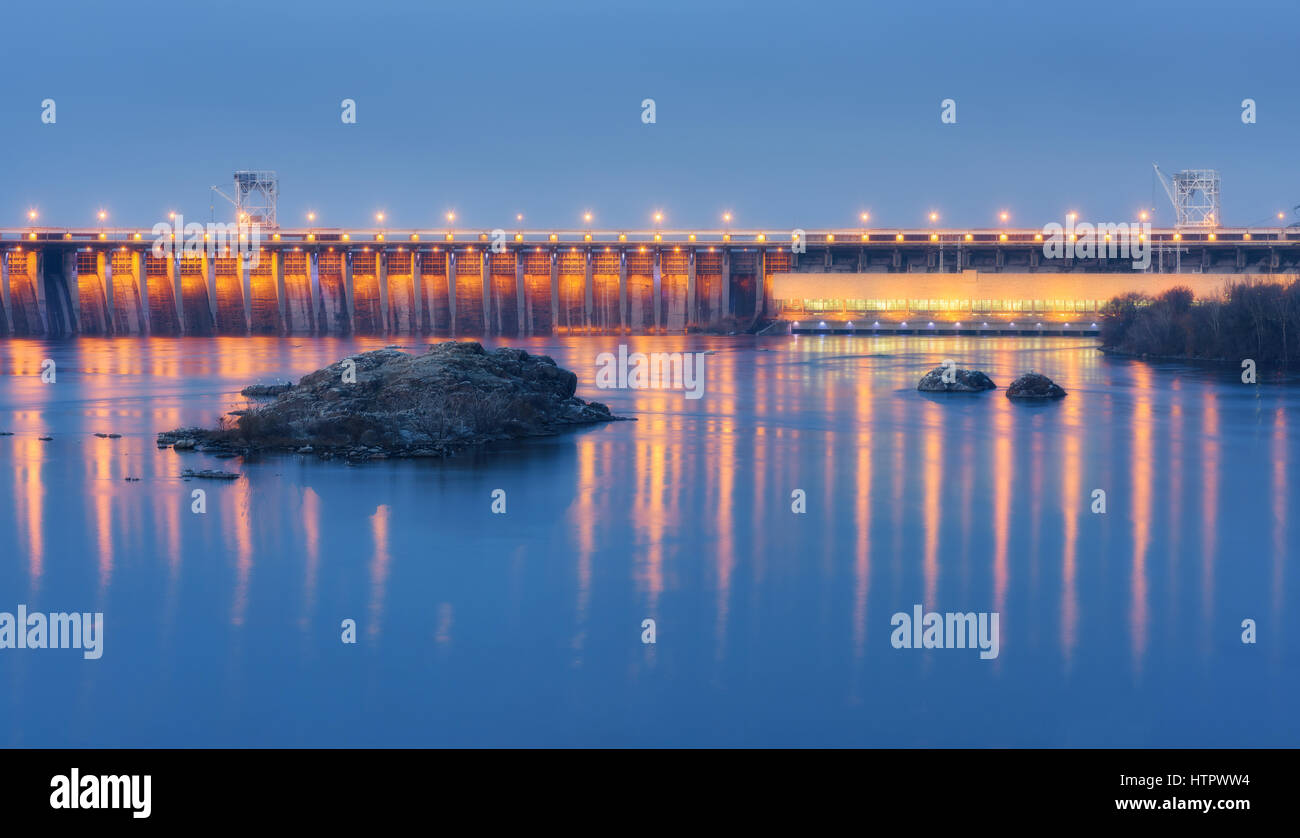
108	281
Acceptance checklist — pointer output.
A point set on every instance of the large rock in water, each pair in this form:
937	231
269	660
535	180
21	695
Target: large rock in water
1033	385
453	396
964	381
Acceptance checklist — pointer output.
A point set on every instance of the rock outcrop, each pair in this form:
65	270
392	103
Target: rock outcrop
388	403
265	390
1034	386
964	381
210	474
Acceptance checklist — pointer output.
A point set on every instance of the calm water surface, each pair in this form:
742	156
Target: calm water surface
1121	628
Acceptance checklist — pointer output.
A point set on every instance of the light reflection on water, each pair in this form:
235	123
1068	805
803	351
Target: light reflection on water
473	628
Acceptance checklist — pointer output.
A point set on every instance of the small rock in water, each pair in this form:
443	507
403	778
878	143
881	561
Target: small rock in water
183	445
210	474
6	433
102	436
45	438
266	389
114	436
963	381
1034	386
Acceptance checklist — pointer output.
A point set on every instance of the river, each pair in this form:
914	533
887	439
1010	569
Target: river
225	628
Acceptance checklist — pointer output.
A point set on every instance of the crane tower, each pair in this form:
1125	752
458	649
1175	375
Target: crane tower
256	193
1195	196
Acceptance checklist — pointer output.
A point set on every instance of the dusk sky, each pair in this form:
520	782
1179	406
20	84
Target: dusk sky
788	114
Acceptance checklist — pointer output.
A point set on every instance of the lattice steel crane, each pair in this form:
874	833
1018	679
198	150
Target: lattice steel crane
256	193
1195	196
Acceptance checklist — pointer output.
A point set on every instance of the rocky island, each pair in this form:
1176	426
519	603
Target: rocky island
1034	386
962	381
389	403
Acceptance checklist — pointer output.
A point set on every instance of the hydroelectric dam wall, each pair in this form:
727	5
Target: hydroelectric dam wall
60	282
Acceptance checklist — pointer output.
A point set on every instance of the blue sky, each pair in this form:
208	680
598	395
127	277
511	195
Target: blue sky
788	114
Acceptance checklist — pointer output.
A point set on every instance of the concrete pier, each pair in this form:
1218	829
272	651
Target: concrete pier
196	310
436	290
128	304
368	315
160	289
468	314
334	308
296	287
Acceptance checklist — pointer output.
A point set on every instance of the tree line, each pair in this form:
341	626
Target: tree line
1250	319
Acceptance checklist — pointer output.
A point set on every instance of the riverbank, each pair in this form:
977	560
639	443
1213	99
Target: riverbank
1259	321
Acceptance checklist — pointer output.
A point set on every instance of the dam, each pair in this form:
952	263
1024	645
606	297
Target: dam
57	282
